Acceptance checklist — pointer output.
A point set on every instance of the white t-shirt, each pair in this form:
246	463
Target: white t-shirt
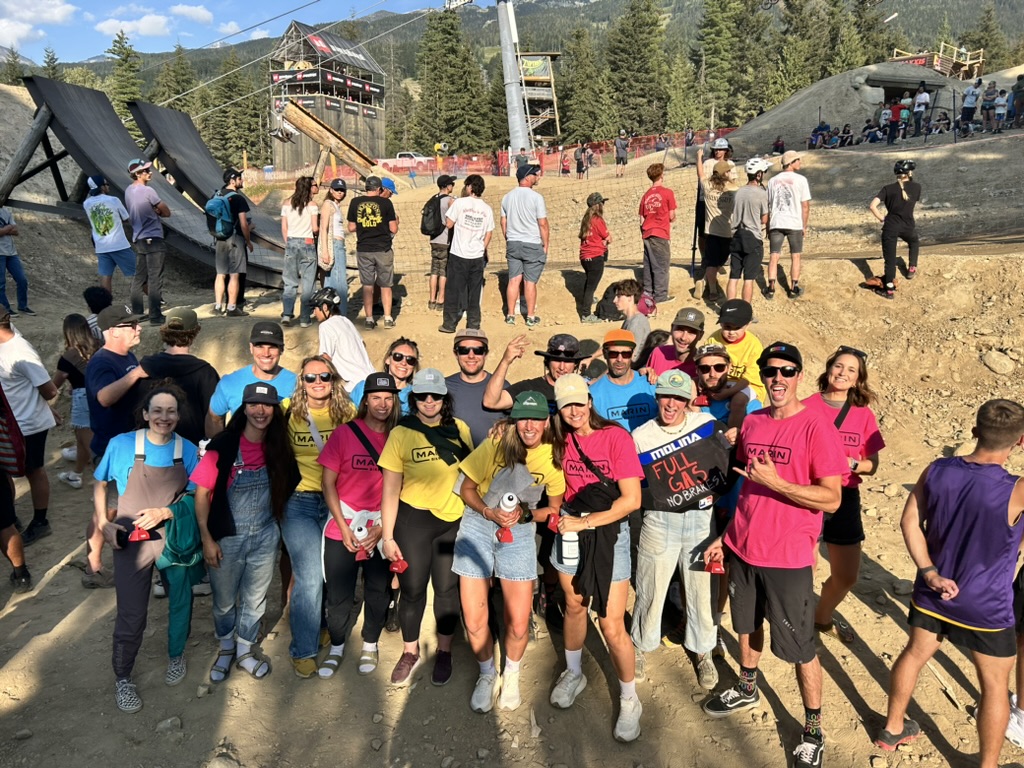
105	214
340	339
473	220
971	95
921	101
300	224
522	207
21	372
1001	105
786	194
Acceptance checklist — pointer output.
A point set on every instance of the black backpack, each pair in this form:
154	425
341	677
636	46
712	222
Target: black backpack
606	306
431	221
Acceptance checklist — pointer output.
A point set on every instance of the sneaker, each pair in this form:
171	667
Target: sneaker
1015	728
510	319
286	320
23	584
402	673
640	664
442	673
305	322
176	670
590	319
34	532
203	588
889	742
127	697
532	322
797	292
69	454
392	625
304	668
568	687
389	322
370	324
485	693
666	300
158	320
627	727
236	312
911	273
719	650
731	700
97	579
769	292
808	753
26	311
71	478
445	329
707	673
510	698
11	312
159	590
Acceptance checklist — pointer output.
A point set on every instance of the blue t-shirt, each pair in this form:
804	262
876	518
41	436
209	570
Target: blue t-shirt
227	397
104	368
630	404
403	396
119	458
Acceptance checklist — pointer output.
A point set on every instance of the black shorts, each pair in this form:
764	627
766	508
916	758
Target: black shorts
620	161
716	251
700	212
845	528
1001	643
746	252
1018	601
967	114
7	517
580	167
785	596
35	450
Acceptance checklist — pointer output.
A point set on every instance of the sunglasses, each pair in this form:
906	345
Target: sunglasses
410	359
309	378
479	351
843	350
429	397
771	371
612	354
717	368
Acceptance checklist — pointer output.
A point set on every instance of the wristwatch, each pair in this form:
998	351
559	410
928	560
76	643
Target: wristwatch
854	464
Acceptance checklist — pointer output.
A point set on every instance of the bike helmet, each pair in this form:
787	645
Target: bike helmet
720	144
903	166
756	165
325	296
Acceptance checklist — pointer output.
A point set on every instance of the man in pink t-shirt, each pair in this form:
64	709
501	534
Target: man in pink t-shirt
794	465
657	212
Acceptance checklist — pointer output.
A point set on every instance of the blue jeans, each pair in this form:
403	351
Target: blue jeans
337	278
299	268
303	530
241	582
13	265
670	540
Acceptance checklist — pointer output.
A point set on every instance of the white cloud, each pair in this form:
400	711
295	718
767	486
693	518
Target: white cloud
131	9
14	34
197	13
88	17
37	12
150	25
229	28
259	34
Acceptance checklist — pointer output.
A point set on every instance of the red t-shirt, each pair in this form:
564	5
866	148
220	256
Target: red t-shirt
594	245
610	449
860	434
769	530
656	205
360	482
663	359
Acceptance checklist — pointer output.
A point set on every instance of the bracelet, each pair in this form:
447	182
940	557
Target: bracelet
925	571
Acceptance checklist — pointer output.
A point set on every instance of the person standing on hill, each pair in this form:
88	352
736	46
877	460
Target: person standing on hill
657	212
375	224
106	216
899	199
11	262
789	208
231	253
300	223
440	244
524	223
470	221
145	209
621	153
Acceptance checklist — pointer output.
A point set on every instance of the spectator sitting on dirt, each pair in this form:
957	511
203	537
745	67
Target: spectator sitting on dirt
832	141
818	135
846	136
942	123
870	133
778	146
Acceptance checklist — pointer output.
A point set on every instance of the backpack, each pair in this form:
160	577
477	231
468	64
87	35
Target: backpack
606	306
647	305
578	154
431	221
219	220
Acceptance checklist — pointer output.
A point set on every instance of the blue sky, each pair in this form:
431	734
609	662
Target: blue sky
80	29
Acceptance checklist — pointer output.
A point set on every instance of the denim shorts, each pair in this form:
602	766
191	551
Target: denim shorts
79	409
123	259
620	568
479	554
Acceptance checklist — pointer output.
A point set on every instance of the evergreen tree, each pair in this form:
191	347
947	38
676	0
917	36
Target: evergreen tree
988	34
497	108
225	127
755	55
878	39
715	57
13	70
638	68
51	66
684	107
586	99
175	78
125	83
845	44
398	120
83	76
451	89
944	35
807	43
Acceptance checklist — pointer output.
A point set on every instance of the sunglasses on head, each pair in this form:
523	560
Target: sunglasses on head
787	371
461	350
410	359
716	367
309	378
612	354
844	350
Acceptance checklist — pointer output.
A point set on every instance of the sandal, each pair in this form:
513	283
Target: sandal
368	662
221	668
838	629
329	666
264	664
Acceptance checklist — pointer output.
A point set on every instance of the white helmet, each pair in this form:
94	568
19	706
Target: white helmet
720	144
756	165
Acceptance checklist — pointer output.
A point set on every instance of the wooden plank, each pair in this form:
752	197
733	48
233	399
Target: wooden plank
320	132
58	180
23	154
67	210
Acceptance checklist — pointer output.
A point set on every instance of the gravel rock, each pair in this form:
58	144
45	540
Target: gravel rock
376	744
893	490
902	587
482	753
377	717
203	690
998	363
447	762
23	734
168	725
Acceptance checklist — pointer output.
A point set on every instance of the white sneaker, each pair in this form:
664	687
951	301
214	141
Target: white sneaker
485	692
71	478
203	588
568	687
510	698
627	727
159	590
1015	728
69	454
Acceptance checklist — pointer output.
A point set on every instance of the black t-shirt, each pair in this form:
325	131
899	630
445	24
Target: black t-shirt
73	364
899	212
195	376
539	384
239	206
372	217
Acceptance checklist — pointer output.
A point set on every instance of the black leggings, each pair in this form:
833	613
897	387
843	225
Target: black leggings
342	570
428	546
890	238
593	270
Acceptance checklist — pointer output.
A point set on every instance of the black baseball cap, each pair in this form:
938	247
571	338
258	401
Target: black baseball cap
260	392
445	181
736	312
380	382
232	173
267	332
113	316
780	350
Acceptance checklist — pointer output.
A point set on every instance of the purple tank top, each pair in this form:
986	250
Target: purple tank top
971	542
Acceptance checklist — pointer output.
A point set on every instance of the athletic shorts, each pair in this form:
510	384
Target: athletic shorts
479	554
746	252
230	256
7	512
35	450
1018	602
79	409
785	596
376	267
716	251
580	167
967	114
845	528
700	213
620	160
526	259
123	259
777	236
1001	643
620	566
438	259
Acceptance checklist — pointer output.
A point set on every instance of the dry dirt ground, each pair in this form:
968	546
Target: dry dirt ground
926	350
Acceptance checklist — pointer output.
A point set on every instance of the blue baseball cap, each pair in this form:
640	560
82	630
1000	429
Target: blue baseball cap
389	185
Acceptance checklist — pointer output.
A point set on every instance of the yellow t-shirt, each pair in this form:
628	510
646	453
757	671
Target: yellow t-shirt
306	452
482	465
427	481
743	356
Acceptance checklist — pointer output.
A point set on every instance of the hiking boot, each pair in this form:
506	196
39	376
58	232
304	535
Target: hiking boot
510	319
442	673
485	693
808	753
889	742
176	670
445	329
731	700
23	584
510	697
97	580
568	687
769	292
127	698
707	673
627	727
304	668
796	292
402	673
34	532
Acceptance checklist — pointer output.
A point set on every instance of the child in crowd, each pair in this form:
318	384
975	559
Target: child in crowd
97	298
743	347
627	296
1001	105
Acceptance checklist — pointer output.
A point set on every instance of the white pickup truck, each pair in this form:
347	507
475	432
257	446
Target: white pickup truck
407	161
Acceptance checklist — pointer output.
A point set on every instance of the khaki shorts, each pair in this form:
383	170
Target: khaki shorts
438	259
376	267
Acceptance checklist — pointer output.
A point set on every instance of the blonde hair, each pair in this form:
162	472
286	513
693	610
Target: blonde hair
900	180
340	406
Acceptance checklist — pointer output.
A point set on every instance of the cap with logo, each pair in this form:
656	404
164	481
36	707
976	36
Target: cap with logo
380	382
619	337
259	392
571	389
780	350
789	156
429	381
471	334
372	183
231	174
530	405
267	332
181	319
674	383
96	184
339	185
563	347
113	316
736	312
711	350
596	197
445	180
139	165
389	185
527	170
688	317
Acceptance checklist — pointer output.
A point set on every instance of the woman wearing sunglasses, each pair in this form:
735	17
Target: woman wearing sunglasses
402	360
318	407
420	518
844	398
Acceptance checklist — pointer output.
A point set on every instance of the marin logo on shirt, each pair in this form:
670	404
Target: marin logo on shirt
365	464
634	411
305	438
777	453
851	439
573	467
424	454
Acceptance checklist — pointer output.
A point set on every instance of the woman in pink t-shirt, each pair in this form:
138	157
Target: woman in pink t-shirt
352	485
844	397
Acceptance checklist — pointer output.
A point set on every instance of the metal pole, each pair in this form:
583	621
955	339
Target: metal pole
518	132
952	126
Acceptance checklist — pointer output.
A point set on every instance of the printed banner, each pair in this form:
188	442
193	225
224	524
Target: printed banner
691	472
